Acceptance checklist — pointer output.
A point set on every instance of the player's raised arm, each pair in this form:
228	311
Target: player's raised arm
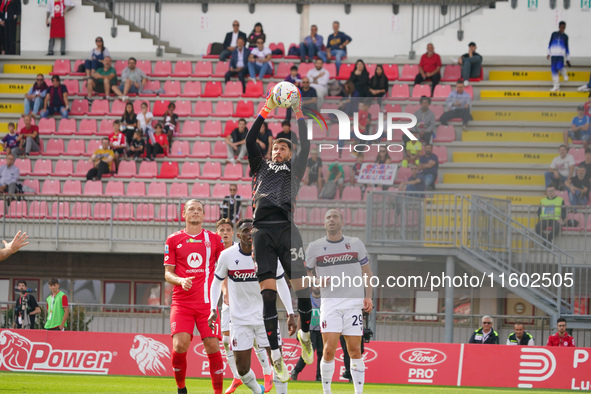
255	156
19	240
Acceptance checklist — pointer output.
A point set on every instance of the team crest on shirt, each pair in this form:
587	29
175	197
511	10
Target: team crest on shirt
173	325
324	248
348	246
179	246
237	261
208	244
234	342
324	324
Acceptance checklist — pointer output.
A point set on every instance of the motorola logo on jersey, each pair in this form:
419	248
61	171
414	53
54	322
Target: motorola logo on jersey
194	260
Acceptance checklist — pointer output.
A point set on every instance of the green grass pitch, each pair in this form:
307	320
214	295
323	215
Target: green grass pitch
25	382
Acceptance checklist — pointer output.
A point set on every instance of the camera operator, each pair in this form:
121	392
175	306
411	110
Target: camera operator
26	308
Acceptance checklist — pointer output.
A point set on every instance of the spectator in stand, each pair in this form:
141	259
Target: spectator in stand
558	52
265	141
236	141
255	34
238	63
9	175
415	183
9	141
587	163
314	173
580	129
259	61
103	80
561	338
350	101
552	214
336	174
231	205
290	135
308	96
294	77
586	87
28	139
429	166
336	46
311	46
561	168
133	79
171	121
96	58
378	84
412	152
429	68
519	337
56	11
485	334
458	105
57	308
159	146
363	119
319	77
56	99
471	63
426	122
35	96
10	10
356	170
129	122
101	160
383	156
117	142
231	41
360	78
578	187
25	316
137	146
145	122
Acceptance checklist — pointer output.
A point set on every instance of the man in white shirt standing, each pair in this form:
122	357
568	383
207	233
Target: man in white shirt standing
319	77
259	61
561	169
231	40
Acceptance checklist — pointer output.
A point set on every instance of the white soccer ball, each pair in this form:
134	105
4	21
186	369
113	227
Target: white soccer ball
285	94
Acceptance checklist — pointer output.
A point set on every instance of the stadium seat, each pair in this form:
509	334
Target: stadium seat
24	166
127	169
211	214
88	127
42	168
232	89
203	69
160	107
189	170
279	113
171	89
451	73
72	86
221	68
229	127
445	134
54	147
106	127
170	169
150	86
212	170
201	149
254	89
162	68
92	146
144	212
212	128
203	109
421	90
114	188
303	68
578	154
51	186
212	89
316	217
168	213
79	107
17	210
74	71
359	218
136	189
180	149
273	46
470	90
72	188
351	193
232	172
192	89
60	210
178	189
137	106
441	152
400	91
244	191
118	108
283	69
292	45
402	175
99	108
564	195
148	169
47	126
80	211
220	151
391	71
578	219
64	167
223	109
102	211
32	183
371	69
244	109
200	190
220	190
190	128
82	168
409	72
183	108
300	216
437	110
61	67
332	70
93	188
123	211
145	65
157	189
308	193
67	126
182	68
480	78
441	92
345	71
120	65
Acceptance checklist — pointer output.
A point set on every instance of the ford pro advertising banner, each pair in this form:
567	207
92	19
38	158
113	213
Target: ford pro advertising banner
386	362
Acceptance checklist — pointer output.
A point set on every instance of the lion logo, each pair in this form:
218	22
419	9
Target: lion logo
14	351
147	353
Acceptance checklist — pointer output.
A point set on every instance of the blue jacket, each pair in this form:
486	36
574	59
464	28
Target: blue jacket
234	60
228	39
333	41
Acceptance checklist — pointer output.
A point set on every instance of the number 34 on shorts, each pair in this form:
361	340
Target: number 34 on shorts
297	254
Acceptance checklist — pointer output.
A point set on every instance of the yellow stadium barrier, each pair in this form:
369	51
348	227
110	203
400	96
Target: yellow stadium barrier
495	179
578	76
532	95
14	88
4	127
27	69
12	108
523	116
511	136
518	158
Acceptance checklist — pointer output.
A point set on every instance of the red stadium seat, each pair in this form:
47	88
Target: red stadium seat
244	109
127	169
445	134
223	109
136	189
171	89
232	89
203	108
123	211
391	71
360	217
200	190
212	89
150	86
332	70
42	168
421	90
162	68
283	70
17	210
470	90
65	167
452	73
212	128
137	106
409	72
24	166
99	108
88	127
168	213
201	149
54	147
145	65
578	154
82	168
441	92
182	68
118	108
437	110
308	193
316	217
220	190
93	188
144	212
157	189
211	214
203	69
148	169
233	172
106	127
300	216
102	211
254	89
192	89
221	68
74	71
212	170
66	126
79	107
441	153
170	169
244	191
291	56
60	210
32	183
577	218
160	107
229	127
345	71
400	91
47	126
402	175
120	65
180	149
351	193
220	151
51	186
189	170
114	188
179	190
208	54
480	78
72	188
303	68
273	46
61	67
80	211
190	128
371	69
72	86
92	146
183	108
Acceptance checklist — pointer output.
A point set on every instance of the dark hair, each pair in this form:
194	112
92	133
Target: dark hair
364	67
127	105
55	78
132	58
293	68
21	281
158	125
102	43
518	324
104	138
223	221
425	98
241	120
53	281
285	123
427	144
244	220
11	154
460	81
561	320
337	22
562	23
11	124
283	141
254	30
143	103
563	146
117	121
173	105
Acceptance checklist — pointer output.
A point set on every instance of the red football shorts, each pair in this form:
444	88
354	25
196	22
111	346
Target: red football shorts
184	318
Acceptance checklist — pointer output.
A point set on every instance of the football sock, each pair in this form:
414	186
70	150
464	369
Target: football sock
179	366
270	316
216	370
230	357
358	374
264	360
280	387
250	381
326	371
305	310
